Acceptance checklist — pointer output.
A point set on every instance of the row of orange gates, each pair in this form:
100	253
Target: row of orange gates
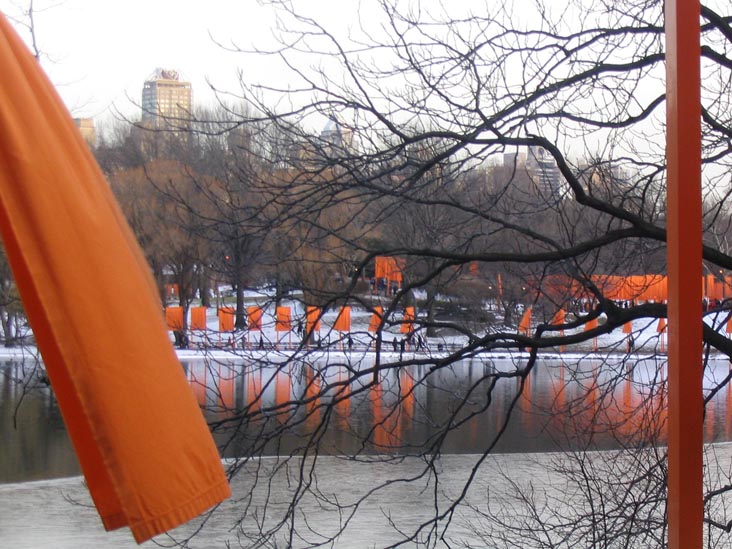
559	319
283	321
650	287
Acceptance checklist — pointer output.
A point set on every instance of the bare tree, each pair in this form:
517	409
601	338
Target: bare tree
523	138
424	108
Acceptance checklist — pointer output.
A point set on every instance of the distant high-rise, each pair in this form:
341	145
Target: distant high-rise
87	130
167	101
544	171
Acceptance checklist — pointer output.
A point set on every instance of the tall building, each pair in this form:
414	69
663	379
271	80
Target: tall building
545	173
541	168
167	101
87	130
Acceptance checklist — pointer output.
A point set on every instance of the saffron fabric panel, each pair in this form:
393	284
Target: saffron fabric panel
407	326
312	322
198	318
174	318
525	323
282	321
343	320
254	314
227	315
143	445
375	321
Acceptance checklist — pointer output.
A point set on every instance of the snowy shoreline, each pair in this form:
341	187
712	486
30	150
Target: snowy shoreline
58	513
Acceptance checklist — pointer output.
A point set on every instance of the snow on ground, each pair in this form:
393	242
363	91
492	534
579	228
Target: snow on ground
646	338
58	513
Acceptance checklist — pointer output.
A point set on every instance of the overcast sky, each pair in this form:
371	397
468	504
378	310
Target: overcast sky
99	52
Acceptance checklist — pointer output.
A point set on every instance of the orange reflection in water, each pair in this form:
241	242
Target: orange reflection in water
342	398
312	398
254	389
226	388
406	393
198	383
385	425
525	402
283	390
559	389
626	422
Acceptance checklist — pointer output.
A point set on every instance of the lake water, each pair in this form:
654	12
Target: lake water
399	415
602	402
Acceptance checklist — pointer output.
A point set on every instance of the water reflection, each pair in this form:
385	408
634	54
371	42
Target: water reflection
355	409
34	441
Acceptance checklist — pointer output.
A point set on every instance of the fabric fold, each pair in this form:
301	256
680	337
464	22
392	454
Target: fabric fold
143	445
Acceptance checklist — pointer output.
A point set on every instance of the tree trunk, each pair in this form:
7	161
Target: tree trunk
431	310
241	317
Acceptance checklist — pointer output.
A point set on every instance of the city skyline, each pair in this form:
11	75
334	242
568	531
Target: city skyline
98	54
99	68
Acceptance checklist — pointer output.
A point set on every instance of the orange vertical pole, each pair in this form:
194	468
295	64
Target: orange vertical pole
684	238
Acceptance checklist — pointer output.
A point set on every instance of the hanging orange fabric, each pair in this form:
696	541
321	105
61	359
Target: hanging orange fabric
227	316
407	326
525	324
174	318
254	314
343	322
389	267
628	327
282	321
559	318
380	269
149	460
312	319
709	286
591	325
376	318
198	318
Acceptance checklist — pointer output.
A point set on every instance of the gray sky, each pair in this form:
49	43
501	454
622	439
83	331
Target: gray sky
98	53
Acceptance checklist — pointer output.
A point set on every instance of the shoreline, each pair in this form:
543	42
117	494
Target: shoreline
277	355
57	512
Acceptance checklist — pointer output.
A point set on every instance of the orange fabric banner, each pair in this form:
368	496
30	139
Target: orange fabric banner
282	322
389	268
525	324
343	322
198	318
379	267
174	318
628	328
312	320
227	315
375	320
254	316
591	325
149	460
661	325
559	317
709	286
407	326
729	325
